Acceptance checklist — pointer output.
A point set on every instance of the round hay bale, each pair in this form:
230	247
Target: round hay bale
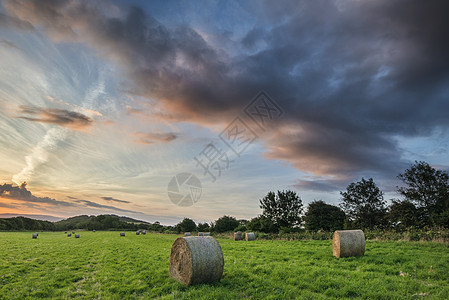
346	243
77	236
122	234
37	234
250	236
196	260
73	232
238	236
200	233
187	234
65	232
93	230
206	233
144	232
69	234
34	236
137	232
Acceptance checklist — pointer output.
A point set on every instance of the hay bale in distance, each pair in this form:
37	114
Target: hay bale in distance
34	236
77	236
93	230
65	232
250	236
144	232
346	243
73	232
122	234
196	260
187	234
137	232
206	233
200	233
238	236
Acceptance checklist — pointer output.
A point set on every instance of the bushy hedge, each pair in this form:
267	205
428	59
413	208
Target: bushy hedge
411	234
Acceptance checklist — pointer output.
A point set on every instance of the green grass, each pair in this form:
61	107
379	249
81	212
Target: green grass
105	265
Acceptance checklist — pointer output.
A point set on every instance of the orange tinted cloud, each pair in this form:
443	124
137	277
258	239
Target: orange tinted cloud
151	137
62	117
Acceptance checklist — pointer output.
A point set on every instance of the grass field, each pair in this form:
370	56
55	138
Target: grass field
105	265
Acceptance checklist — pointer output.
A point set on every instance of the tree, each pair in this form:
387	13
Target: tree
364	204
283	209
324	216
428	188
226	223
262	224
186	225
203	227
156	226
403	214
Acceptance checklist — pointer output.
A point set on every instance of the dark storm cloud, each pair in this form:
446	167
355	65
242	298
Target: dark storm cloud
10	191
110	199
350	75
60	117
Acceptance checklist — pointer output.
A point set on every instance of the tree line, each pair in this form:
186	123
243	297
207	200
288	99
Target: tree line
424	203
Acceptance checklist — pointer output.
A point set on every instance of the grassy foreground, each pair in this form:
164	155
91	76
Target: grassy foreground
105	265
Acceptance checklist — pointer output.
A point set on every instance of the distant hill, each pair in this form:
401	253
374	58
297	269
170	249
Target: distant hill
35	217
101	222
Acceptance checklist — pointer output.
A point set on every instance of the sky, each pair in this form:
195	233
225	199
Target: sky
161	110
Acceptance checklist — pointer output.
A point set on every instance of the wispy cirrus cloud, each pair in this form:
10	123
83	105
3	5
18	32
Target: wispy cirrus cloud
8	44
61	117
111	199
39	154
92	204
320	185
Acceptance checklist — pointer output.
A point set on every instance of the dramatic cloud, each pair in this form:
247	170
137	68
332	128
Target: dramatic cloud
21	193
60	117
9	191
110	199
151	138
350	75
